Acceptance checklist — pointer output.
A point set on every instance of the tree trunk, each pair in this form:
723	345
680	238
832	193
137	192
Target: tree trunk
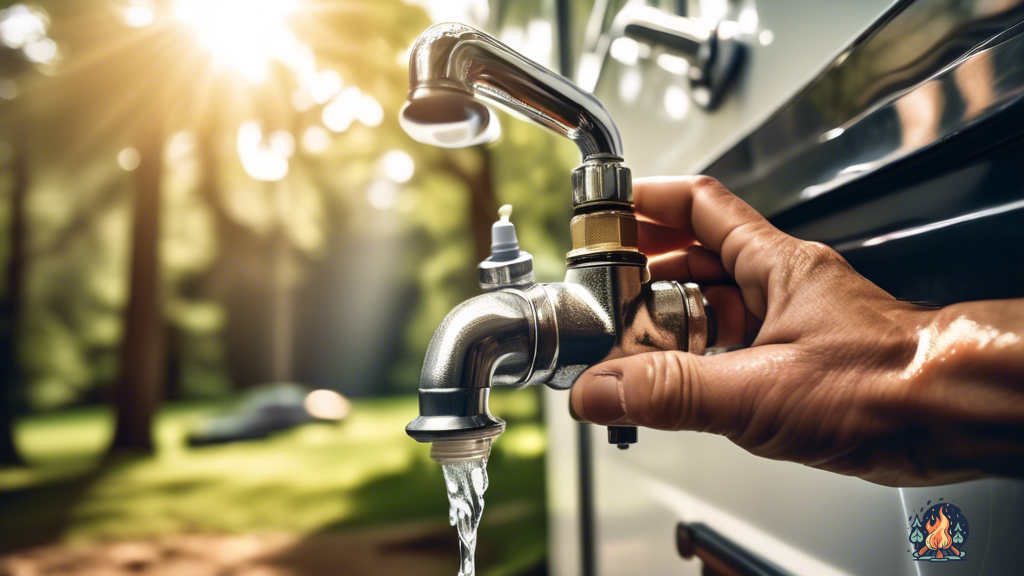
483	203
10	308
241	278
143	366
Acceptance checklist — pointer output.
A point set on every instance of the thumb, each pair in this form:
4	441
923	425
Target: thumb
673	390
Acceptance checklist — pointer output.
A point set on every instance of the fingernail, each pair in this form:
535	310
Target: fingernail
601	403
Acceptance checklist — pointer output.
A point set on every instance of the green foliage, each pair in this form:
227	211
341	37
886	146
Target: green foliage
70	326
362	472
79	201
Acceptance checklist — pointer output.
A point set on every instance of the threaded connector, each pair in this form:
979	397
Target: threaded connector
604	231
447	451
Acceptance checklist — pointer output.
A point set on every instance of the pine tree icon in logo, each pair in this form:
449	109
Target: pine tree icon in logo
958	534
916	535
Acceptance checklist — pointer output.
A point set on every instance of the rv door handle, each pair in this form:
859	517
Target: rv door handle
721	556
714	57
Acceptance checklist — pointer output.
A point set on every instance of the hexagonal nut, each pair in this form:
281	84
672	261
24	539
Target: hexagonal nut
601	181
608	230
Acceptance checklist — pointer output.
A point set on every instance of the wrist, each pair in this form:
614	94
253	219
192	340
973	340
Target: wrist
925	340
963	383
965	340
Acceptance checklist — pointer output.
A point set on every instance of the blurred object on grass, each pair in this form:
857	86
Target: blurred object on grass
309	484
268	409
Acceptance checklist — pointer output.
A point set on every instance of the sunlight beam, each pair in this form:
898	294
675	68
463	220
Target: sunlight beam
245	35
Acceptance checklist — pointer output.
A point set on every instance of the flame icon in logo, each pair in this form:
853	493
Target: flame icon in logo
941	537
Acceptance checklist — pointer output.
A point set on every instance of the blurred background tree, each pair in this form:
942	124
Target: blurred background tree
222	197
199	198
14	156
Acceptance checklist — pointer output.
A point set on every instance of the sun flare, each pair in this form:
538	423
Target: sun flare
245	35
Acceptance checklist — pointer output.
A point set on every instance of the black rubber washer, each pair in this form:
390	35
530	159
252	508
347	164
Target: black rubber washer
597	258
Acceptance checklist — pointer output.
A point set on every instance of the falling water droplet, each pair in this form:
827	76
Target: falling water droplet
466	481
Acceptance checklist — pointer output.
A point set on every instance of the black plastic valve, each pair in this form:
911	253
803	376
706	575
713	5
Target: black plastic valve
622	436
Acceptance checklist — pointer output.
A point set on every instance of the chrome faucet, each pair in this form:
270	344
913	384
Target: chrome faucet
523	332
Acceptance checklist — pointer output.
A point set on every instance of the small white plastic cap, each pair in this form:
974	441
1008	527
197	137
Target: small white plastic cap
504	243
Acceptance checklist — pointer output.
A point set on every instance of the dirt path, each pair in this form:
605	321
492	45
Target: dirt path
414	550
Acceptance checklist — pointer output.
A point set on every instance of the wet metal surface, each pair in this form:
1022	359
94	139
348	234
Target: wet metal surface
933	70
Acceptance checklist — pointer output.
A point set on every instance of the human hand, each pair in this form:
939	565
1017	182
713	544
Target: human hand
834	377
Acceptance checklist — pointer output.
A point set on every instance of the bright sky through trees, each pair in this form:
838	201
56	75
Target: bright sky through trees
246	35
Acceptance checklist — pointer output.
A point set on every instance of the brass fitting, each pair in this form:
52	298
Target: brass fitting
604	231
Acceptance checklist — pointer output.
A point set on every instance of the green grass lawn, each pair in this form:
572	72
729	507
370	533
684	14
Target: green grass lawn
316	479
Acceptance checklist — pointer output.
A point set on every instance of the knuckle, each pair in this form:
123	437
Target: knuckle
708	190
704	183
803	264
821	252
756	237
815	256
755	241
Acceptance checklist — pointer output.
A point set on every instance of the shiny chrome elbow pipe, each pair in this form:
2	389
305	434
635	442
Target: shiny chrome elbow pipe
487	338
506	337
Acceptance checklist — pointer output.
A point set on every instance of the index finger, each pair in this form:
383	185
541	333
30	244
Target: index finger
701	206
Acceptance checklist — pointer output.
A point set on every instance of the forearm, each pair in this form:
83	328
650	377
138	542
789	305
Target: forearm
965	388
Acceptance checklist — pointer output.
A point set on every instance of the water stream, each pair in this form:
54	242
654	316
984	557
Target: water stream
466	481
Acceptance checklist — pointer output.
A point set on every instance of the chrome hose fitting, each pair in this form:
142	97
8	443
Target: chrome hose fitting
602	179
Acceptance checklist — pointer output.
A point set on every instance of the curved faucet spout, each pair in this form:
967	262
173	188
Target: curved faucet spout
487	339
453	67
